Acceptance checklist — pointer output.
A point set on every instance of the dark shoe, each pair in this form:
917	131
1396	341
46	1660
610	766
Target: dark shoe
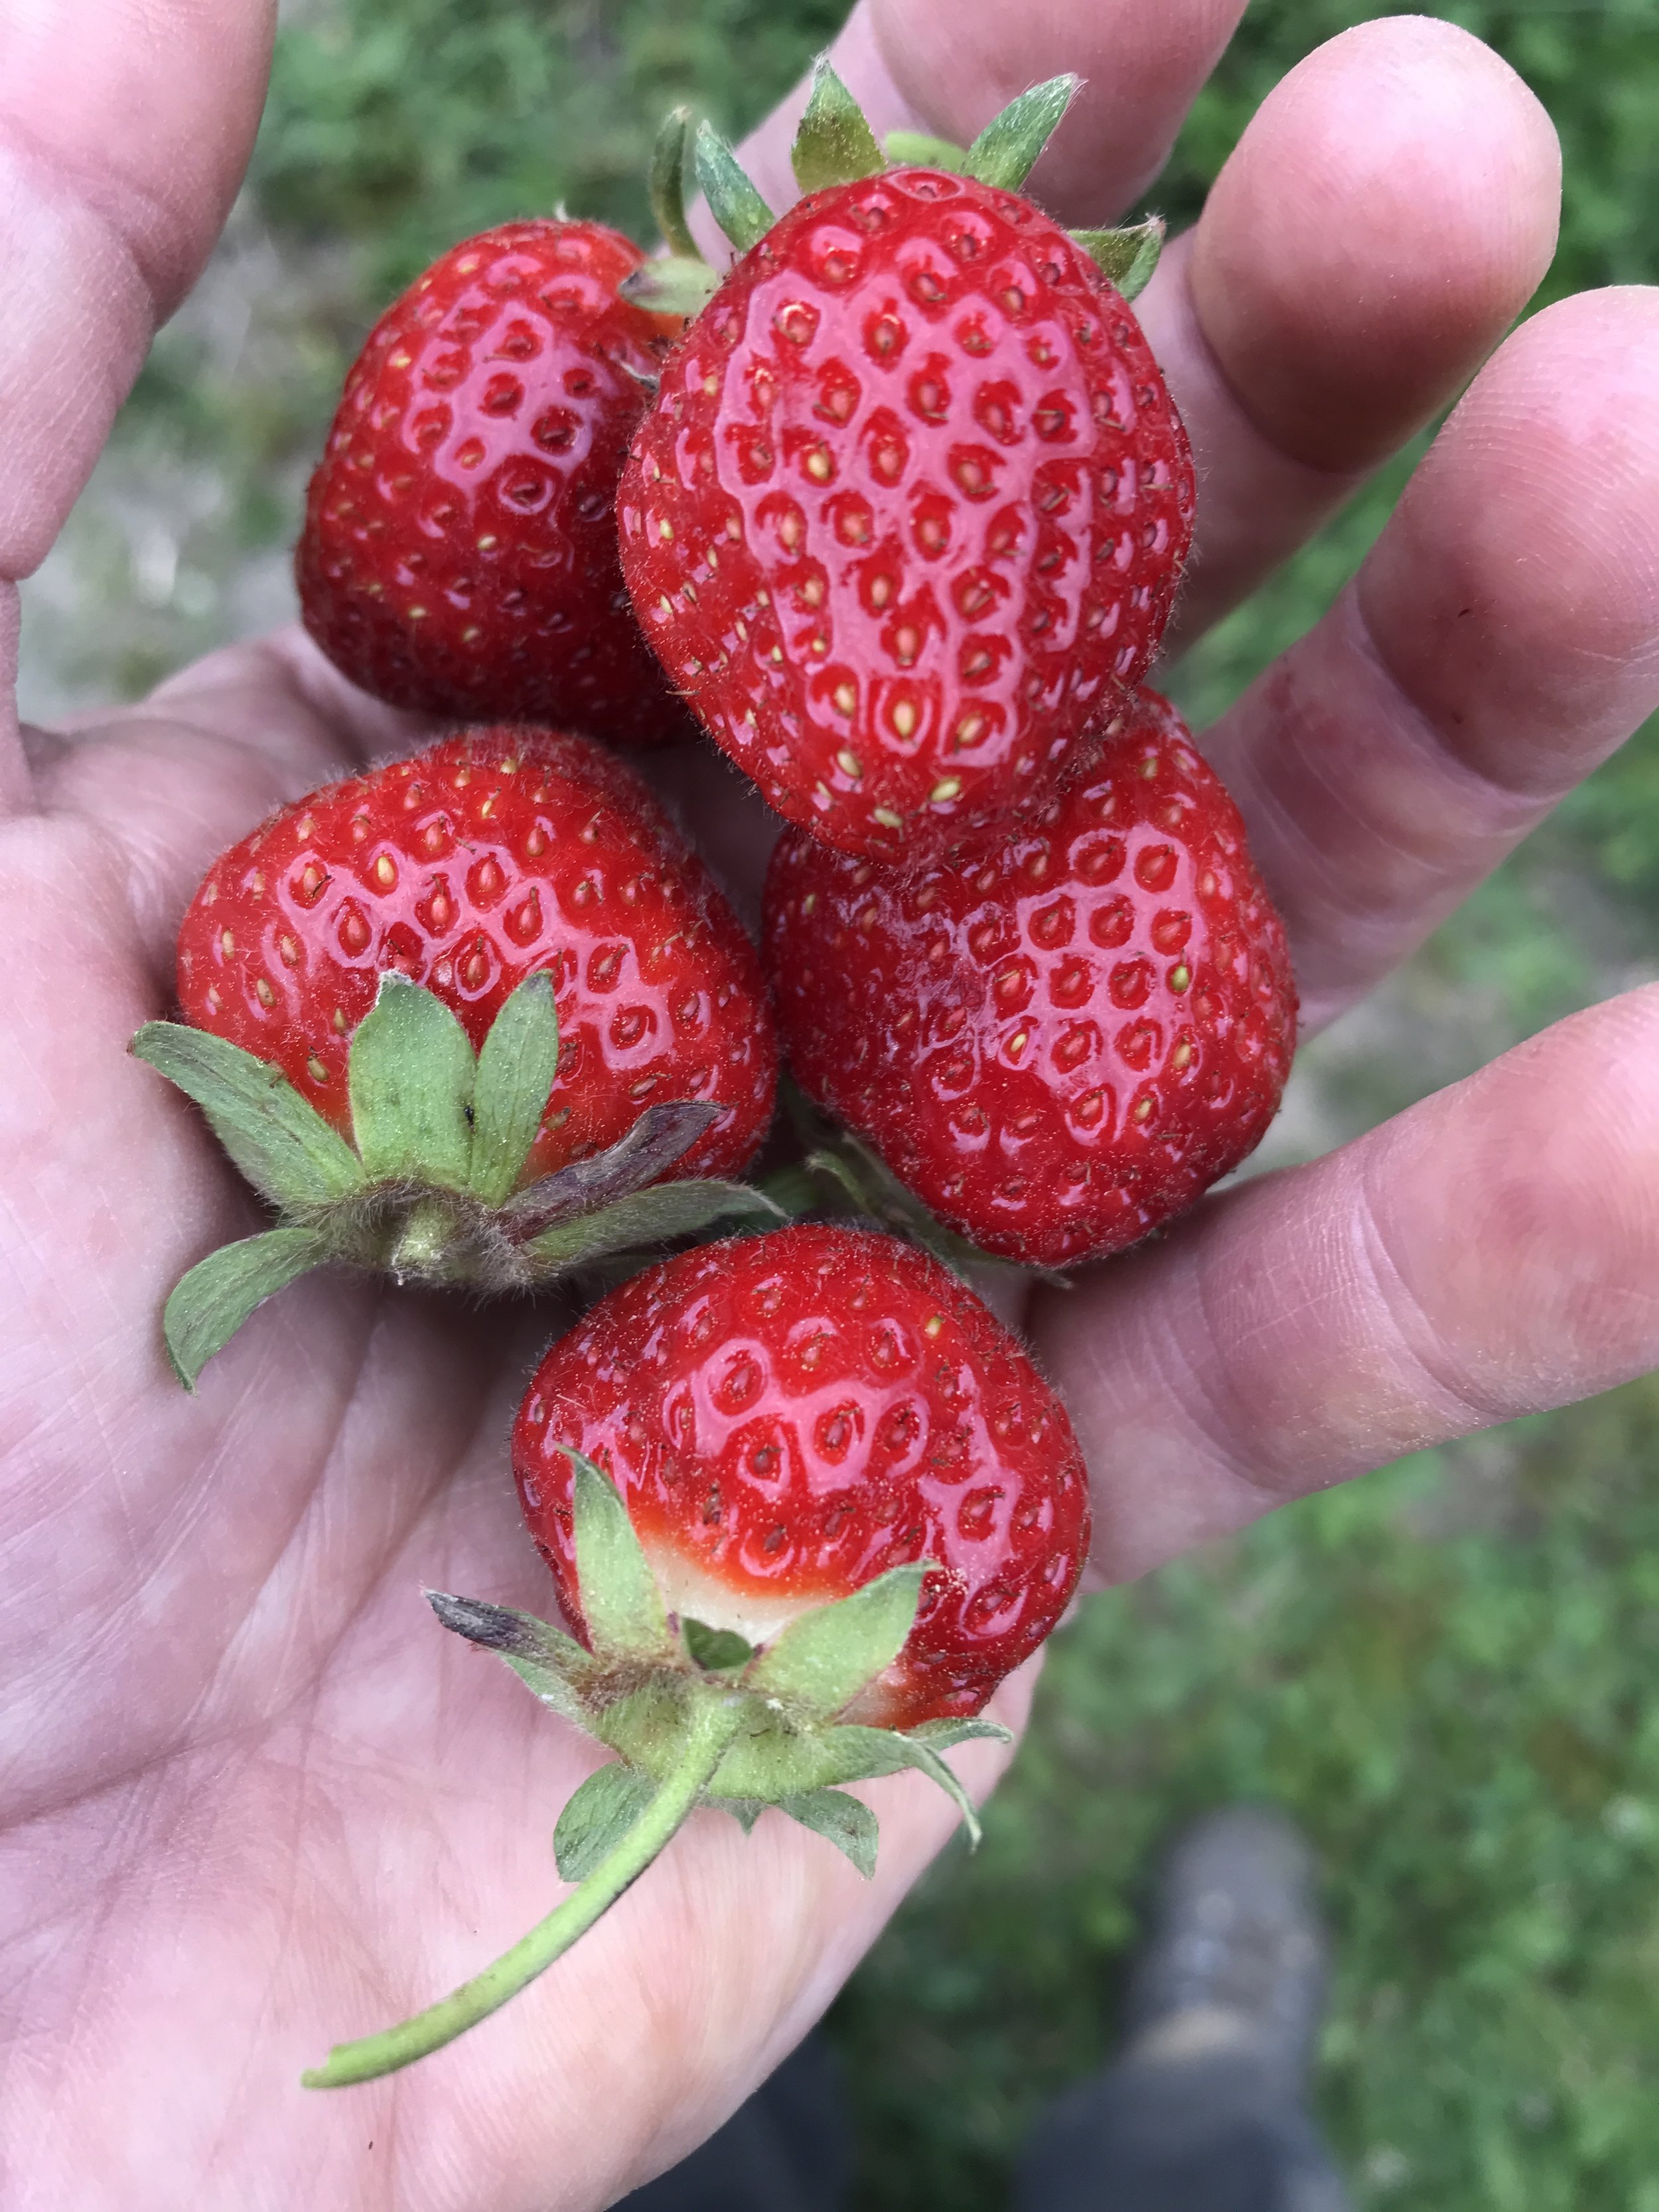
788	2149
1203	2112
1236	1955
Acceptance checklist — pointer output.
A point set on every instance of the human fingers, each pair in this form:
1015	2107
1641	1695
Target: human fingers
947	66
1387	214
14	767
1501	640
1493	1252
1389	211
173	781
125	128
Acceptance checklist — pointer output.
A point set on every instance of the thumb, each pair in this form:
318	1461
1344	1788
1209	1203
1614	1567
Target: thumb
125	127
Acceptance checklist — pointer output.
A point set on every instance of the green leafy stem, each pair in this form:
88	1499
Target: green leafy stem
427	1188
835	145
661	1814
700	1716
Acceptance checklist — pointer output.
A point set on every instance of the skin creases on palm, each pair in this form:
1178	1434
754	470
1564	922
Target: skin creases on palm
251	1800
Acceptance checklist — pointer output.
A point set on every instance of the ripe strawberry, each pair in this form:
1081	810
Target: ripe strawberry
827	1490
467	868
453	1016
910	506
459	548
787	1417
1058	1036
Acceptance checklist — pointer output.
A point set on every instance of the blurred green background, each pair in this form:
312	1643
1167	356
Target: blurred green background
1444	1671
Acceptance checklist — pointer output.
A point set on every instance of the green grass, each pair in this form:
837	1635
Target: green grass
408	123
1443	1671
1446	1673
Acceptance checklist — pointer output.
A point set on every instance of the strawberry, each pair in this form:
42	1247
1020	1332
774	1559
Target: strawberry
913	501
1057	1036
806	1502
496	971
459	549
787	1417
468	867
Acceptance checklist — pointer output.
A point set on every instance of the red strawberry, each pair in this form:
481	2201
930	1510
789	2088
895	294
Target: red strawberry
578	1011
1057	1036
459	549
787	1417
467	868
832	1492
911	505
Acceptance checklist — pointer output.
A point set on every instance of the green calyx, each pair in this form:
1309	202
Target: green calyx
676	285
428	1189
1126	257
736	205
1005	152
698	1717
665	181
835	145
679	283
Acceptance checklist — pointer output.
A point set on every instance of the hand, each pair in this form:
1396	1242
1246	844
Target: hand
254	1802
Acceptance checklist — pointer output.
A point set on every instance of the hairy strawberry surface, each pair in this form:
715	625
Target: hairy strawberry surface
1057	1037
912	503
788	1417
459	548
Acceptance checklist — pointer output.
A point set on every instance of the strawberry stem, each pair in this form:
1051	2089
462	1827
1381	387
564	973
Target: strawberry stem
422	1240
666	183
714	1723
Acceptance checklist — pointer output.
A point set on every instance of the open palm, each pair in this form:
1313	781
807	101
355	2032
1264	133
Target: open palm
253	1800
